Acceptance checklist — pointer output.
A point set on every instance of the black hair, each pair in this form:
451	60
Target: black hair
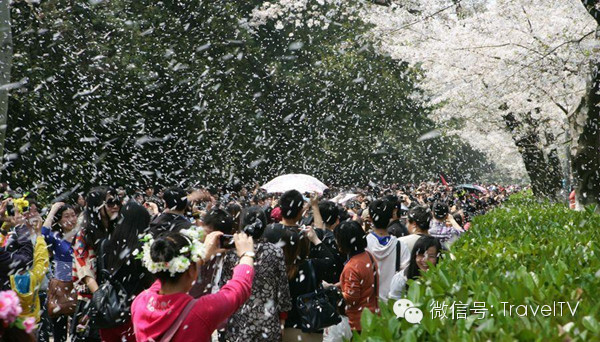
458	218
268	214
165	248
254	222
235	210
124	239
390	198
420	247
350	238
329	212
420	215
219	220
440	210
352	204
94	230
343	213
58	216
291	203
258	197
175	198
381	212
396	201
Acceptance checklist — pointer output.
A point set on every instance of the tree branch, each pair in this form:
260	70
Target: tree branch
456	3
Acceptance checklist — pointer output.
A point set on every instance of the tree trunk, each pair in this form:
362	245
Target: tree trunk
5	66
541	169
585	130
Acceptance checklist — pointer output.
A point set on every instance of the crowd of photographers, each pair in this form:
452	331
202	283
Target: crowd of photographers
226	264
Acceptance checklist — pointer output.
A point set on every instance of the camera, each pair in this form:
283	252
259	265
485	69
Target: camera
251	229
226	241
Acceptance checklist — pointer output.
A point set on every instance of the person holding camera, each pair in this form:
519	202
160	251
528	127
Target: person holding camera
211	272
166	310
122	265
262	317
308	262
176	202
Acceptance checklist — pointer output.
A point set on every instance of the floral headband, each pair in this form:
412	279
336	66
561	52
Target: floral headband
179	264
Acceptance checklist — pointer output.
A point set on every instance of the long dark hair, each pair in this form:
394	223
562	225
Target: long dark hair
420	247
94	230
235	210
254	222
125	238
295	245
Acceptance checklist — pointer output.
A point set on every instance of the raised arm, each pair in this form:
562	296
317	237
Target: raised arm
314	203
40	260
53	210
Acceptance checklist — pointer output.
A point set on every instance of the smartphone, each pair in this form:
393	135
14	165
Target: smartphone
226	241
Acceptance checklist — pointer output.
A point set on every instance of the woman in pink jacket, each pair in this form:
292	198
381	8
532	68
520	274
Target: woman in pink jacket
166	310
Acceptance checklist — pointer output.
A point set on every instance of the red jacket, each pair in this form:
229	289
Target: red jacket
153	314
358	287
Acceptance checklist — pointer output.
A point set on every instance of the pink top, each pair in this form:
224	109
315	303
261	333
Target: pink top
153	314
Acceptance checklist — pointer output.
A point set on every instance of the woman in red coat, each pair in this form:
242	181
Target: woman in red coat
359	279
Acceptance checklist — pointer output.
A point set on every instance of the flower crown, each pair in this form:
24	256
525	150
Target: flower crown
180	263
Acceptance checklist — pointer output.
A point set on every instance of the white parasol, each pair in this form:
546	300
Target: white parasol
295	181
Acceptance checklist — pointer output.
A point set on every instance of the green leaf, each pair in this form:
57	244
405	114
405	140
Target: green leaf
409	336
591	324
414	292
366	320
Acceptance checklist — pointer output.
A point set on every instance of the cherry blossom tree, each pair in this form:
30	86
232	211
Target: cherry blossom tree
508	75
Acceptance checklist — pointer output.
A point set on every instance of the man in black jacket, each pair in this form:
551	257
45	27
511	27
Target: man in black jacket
331	218
172	219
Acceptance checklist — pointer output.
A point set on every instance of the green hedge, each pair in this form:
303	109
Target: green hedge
526	253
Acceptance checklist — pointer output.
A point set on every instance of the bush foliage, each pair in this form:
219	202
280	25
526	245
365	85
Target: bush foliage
526	253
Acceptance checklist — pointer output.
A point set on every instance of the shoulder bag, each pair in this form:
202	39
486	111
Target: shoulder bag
316	308
110	303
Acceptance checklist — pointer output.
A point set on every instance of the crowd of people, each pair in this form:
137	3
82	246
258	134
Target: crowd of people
229	264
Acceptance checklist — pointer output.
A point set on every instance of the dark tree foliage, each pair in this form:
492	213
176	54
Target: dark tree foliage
165	92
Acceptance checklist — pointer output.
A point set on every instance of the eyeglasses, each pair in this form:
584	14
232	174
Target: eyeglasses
113	203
